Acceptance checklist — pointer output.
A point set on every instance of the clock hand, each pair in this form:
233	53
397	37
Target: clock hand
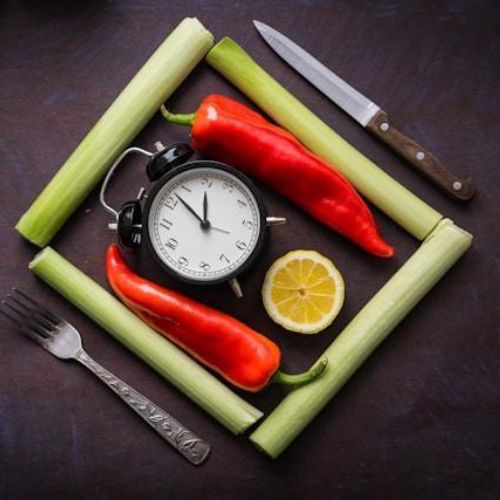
203	223
206	222
219	229
205	207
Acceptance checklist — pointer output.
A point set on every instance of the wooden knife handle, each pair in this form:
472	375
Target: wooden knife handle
421	158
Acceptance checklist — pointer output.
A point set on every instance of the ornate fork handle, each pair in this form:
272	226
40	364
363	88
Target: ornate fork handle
182	439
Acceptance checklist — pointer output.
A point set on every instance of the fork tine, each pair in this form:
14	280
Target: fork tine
21	315
12	318
42	309
34	314
36	337
28	321
22	304
25	330
38	331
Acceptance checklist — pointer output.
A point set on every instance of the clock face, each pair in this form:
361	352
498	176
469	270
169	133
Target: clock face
204	223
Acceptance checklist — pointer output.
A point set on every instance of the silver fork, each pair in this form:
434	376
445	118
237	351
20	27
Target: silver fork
63	341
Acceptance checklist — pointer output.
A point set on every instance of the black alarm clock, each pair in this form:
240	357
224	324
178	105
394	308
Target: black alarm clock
203	221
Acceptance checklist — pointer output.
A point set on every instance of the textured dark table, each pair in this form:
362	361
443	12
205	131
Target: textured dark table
421	418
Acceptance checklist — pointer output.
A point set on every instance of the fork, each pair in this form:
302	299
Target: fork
63	341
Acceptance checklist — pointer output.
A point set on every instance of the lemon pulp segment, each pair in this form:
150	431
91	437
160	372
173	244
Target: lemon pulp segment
303	291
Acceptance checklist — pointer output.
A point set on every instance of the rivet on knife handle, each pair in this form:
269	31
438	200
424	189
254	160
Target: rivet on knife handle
421	158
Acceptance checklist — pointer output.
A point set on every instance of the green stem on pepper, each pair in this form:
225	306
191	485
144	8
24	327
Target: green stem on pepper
300	378
179	119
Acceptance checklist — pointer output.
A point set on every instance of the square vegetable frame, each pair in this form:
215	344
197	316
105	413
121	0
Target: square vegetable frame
443	242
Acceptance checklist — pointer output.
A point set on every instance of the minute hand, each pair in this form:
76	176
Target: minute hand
365	112
189	207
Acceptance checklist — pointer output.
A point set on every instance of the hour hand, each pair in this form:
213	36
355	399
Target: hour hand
205	206
189	207
206	223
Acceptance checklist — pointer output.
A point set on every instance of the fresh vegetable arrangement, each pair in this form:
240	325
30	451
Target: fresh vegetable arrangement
241	355
228	131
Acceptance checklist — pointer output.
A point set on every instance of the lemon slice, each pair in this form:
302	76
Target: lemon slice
303	291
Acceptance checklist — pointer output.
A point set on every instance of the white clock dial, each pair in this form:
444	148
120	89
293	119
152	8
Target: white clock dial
197	250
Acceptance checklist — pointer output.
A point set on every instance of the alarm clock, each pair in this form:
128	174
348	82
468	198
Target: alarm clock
203	221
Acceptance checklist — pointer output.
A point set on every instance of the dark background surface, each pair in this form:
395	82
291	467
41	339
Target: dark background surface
421	418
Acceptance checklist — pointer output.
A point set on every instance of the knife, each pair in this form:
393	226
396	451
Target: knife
367	113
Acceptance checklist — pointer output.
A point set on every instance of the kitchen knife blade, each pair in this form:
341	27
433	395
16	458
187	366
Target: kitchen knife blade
367	113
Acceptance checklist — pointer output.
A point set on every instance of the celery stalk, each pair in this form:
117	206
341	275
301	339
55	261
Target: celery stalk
406	209
363	334
169	65
169	361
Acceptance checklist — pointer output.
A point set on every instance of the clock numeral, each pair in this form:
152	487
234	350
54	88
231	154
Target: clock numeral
172	243
227	185
166	224
241	203
182	261
204	265
186	188
224	258
205	181
241	245
171	202
247	223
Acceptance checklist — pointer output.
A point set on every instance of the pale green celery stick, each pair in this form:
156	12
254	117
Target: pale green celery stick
363	334
165	70
409	211
169	361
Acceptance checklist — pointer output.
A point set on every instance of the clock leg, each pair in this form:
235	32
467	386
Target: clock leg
236	287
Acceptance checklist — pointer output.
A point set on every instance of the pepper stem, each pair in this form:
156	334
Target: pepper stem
301	378
187	119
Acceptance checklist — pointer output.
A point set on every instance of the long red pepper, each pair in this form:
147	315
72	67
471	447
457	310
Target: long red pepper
241	355
228	131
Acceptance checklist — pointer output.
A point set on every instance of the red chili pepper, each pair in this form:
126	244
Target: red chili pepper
228	131
241	355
